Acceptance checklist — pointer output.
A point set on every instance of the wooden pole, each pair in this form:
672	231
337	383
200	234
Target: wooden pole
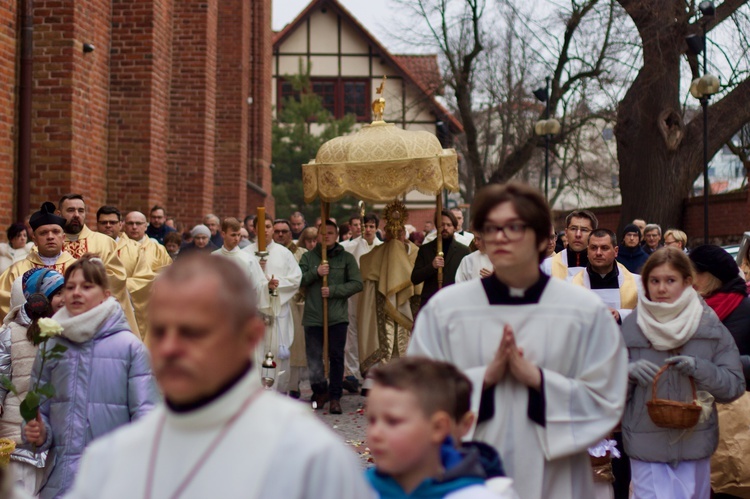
324	258
439	238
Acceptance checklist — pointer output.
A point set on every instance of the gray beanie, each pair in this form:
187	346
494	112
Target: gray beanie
200	230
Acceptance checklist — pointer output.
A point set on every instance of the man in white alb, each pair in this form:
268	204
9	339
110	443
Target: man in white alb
475	266
284	276
219	433
547	362
230	234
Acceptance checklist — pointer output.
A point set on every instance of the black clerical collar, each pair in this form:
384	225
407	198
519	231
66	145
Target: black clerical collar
577	259
499	293
608	281
192	406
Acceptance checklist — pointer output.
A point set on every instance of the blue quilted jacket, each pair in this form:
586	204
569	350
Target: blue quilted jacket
103	381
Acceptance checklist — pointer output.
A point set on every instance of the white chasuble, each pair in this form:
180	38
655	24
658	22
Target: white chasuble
575	341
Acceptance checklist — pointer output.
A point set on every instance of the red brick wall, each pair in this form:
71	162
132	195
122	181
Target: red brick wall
138	114
190	157
70	100
232	90
259	129
8	74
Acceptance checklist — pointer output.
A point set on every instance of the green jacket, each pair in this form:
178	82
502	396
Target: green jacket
344	280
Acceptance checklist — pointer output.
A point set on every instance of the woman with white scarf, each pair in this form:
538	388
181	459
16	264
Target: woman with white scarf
673	325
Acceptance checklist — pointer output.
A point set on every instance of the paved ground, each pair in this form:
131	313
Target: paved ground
351	424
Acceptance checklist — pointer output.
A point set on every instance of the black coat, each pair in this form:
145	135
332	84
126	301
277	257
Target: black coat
632	258
738	324
425	273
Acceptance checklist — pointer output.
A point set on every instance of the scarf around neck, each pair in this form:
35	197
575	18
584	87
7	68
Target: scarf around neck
670	325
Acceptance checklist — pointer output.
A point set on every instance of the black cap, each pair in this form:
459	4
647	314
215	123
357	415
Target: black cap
46	216
631	228
715	261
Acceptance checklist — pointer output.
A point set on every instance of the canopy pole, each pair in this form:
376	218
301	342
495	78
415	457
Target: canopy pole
439	238
324	257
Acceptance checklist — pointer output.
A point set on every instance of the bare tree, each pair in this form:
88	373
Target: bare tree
660	153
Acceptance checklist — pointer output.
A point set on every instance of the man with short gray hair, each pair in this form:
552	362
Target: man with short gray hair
652	238
218	433
214	225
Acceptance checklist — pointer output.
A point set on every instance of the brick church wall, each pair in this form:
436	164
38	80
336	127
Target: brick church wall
8	74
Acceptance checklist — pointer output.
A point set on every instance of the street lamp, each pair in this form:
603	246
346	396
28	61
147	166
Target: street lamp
702	89
547	127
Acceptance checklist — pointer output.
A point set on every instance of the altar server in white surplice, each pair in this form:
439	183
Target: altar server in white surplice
231	233
358	247
219	434
284	276
545	357
475	266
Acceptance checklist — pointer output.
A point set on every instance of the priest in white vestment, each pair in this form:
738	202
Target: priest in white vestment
284	276
219	434
358	247
546	359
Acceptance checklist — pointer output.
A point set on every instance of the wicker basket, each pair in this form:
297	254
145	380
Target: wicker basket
7	446
670	414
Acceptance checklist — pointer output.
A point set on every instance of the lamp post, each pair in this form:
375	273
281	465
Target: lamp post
546	127
702	89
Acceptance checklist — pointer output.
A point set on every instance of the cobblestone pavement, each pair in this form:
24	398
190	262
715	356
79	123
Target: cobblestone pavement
350	425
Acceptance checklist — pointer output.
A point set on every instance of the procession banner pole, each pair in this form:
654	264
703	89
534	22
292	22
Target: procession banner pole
439	238
324	260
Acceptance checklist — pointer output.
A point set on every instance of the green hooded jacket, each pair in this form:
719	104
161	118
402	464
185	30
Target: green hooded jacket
344	280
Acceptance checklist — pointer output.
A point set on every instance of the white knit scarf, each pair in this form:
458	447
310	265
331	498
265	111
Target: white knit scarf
81	328
670	325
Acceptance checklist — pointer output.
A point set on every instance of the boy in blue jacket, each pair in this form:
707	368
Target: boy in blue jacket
411	411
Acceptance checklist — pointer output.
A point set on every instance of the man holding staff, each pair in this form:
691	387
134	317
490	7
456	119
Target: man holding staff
344	280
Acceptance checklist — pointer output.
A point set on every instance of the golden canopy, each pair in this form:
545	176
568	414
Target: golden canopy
379	163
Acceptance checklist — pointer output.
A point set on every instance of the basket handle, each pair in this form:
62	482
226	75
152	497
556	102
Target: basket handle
658	375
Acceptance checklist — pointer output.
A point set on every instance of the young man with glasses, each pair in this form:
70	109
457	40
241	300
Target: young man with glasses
578	227
546	360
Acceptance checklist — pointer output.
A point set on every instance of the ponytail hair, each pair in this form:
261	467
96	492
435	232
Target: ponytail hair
37	307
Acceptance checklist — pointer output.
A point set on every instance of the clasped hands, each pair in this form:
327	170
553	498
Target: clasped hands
509	359
643	371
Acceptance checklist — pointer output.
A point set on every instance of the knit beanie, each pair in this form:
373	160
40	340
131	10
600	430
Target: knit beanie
714	260
41	280
200	230
631	228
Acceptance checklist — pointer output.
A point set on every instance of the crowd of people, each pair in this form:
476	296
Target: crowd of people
509	360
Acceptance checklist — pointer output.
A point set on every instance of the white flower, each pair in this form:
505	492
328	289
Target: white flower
49	327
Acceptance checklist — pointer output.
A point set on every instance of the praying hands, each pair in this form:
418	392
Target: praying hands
509	358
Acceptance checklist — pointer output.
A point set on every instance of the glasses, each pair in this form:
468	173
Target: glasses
514	231
583	230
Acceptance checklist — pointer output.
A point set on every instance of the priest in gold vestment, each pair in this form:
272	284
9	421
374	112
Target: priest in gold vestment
48	252
80	240
389	299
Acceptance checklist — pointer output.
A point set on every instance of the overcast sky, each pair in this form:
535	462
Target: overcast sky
373	14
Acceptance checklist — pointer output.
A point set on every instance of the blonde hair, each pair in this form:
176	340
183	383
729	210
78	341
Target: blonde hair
678	236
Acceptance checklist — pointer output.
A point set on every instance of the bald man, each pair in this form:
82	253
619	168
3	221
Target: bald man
219	433
152	257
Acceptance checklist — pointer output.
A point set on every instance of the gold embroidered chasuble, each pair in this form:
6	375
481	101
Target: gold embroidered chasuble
16	270
152	257
106	248
388	302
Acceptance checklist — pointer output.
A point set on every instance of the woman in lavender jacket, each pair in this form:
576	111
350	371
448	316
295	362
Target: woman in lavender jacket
103	380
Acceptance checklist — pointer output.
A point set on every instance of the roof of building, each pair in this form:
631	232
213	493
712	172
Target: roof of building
421	70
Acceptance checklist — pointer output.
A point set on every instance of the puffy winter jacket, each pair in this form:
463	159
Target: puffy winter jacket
102	382
344	280
718	371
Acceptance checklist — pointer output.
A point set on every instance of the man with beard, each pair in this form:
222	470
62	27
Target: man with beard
158	228
428	261
219	433
48	253
578	226
79	240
